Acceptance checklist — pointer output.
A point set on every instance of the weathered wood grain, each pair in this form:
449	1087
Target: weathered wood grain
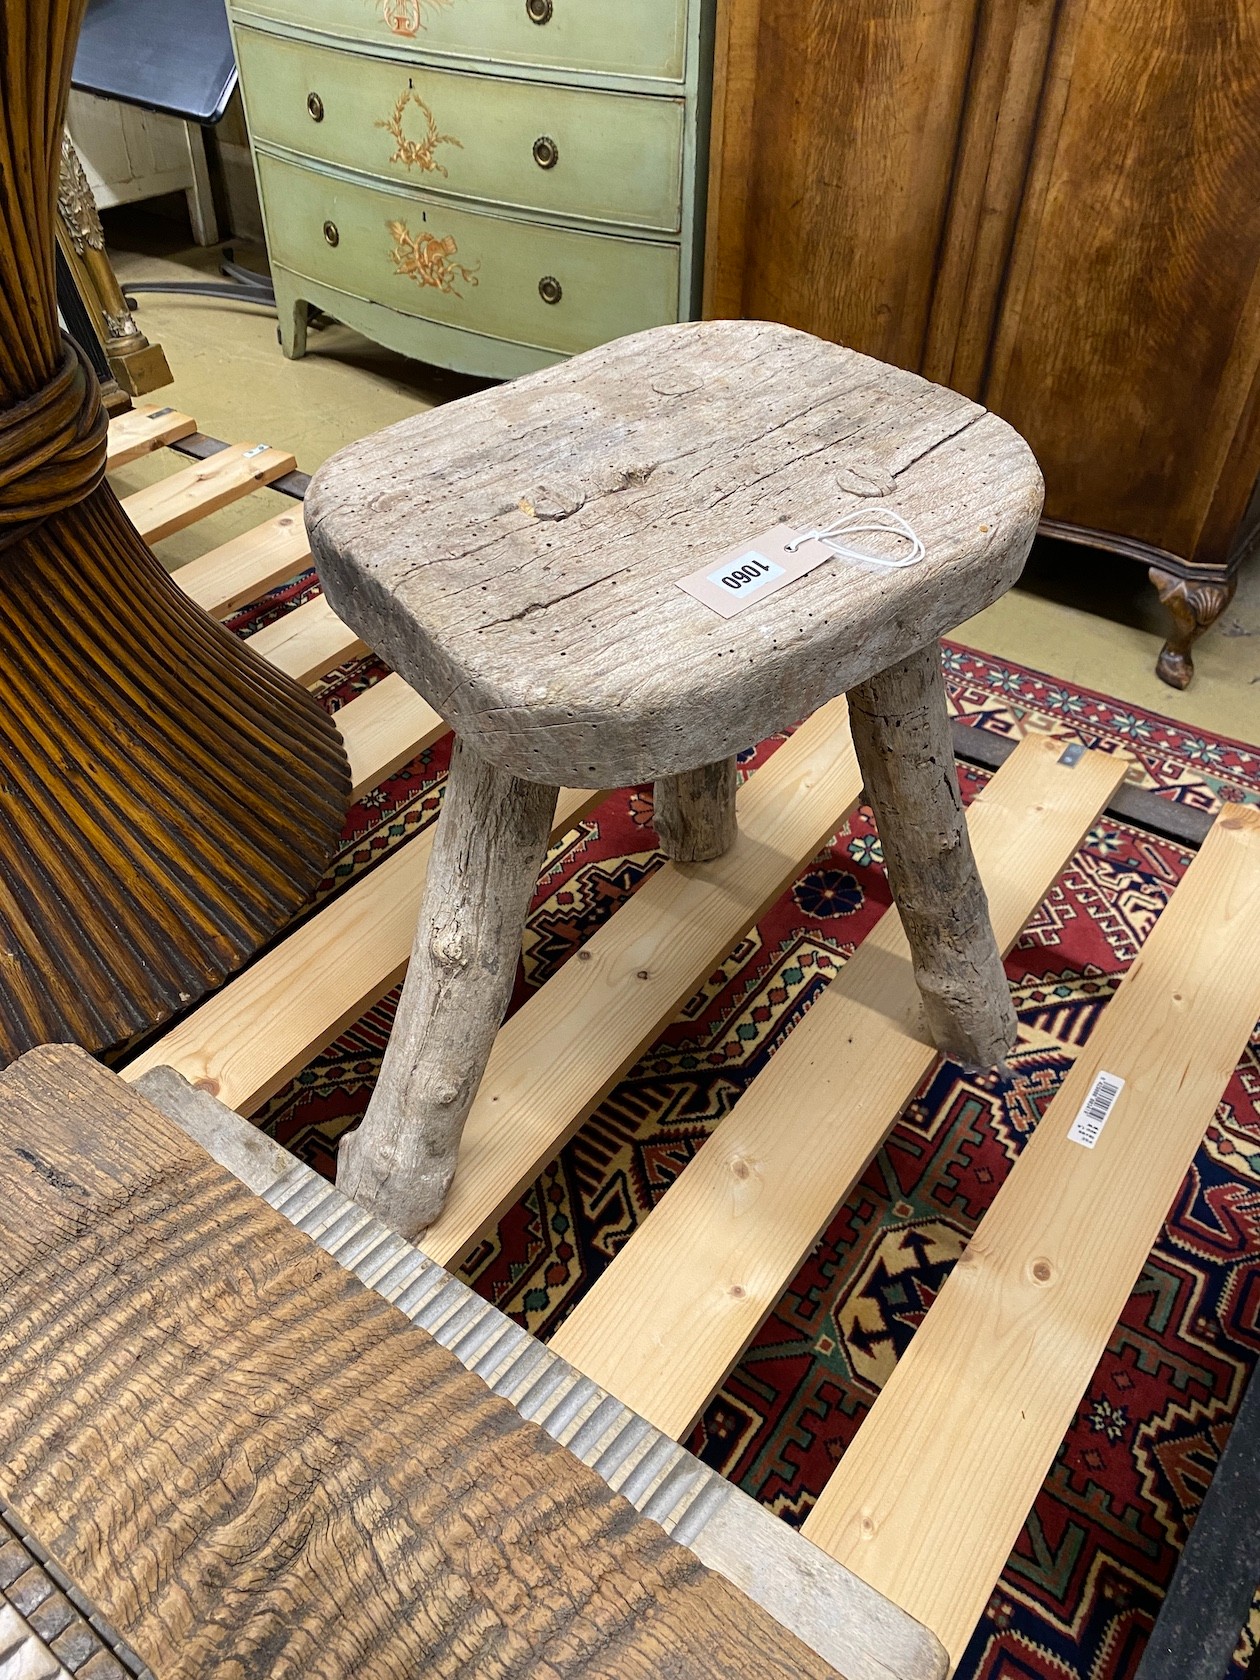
491	838
901	734
253	1465
515	555
694	812
565	1048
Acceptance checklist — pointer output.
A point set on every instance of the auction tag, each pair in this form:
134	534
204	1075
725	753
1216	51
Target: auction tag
1089	1122
757	568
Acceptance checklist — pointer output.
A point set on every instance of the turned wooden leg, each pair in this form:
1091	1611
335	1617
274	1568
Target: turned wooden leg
1193	606
695	812
490	842
901	733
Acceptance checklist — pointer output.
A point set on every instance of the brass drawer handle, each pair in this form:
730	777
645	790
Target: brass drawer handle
331	234
546	152
315	105
539	11
550	289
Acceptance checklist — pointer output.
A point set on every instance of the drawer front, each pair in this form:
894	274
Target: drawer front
548	287
610	157
617	37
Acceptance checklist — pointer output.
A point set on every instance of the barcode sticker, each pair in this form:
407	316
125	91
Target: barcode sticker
1093	1112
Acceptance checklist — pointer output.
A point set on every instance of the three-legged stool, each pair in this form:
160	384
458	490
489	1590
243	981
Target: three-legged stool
517	556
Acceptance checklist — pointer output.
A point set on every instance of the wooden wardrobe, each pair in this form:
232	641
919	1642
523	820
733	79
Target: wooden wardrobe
1051	205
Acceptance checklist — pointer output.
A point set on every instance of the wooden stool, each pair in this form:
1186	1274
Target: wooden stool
516	557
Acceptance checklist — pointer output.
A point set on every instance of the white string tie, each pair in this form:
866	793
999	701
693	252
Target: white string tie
854	524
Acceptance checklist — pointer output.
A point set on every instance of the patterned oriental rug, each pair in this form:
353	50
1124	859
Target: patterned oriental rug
1085	1581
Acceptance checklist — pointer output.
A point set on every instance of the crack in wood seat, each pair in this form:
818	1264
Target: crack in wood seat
516	557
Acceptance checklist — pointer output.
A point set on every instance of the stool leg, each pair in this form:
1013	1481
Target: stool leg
489	846
901	732
695	812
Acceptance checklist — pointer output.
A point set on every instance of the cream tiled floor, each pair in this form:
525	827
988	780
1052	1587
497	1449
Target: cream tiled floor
1079	614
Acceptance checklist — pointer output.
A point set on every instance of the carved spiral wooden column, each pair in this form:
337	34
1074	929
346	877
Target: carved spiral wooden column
166	800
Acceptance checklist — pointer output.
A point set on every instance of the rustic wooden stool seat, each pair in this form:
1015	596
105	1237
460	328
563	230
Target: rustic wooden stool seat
516	557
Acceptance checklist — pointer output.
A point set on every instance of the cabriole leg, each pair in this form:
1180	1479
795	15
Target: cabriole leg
490	842
901	732
1193	606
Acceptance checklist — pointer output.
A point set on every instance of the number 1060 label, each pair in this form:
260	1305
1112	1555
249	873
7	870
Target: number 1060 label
751	572
758	568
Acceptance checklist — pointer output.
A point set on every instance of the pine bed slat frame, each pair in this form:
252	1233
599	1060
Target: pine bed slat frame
932	1494
672	1315
313	984
929	1499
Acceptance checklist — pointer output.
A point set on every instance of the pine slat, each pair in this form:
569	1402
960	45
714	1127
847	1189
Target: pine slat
384	728
559	1055
260	1029
685	1296
308	641
168	506
142	430
930	1498
241	570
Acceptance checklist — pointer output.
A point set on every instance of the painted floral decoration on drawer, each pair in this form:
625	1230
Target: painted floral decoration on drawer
428	260
407	17
416	153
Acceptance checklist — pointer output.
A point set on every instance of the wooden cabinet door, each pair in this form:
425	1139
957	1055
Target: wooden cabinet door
1127	340
1052	205
836	126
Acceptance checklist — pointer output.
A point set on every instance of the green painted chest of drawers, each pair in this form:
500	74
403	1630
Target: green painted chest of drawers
488	185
